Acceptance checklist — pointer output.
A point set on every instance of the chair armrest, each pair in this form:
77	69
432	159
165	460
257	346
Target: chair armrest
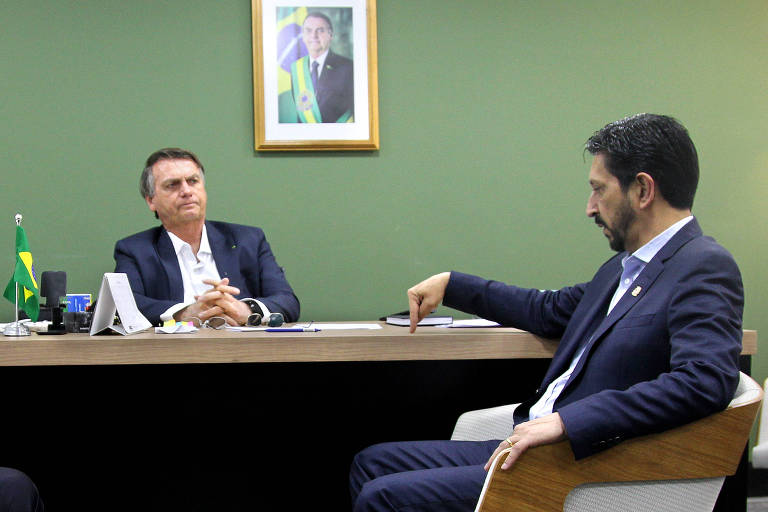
542	477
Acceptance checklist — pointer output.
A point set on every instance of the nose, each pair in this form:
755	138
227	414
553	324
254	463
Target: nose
592	205
186	189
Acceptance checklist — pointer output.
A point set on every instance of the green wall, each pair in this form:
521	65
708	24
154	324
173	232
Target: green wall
484	107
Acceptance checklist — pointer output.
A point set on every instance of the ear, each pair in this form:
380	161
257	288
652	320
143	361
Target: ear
646	189
150	203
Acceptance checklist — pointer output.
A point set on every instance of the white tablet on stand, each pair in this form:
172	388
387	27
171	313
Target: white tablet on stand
115	296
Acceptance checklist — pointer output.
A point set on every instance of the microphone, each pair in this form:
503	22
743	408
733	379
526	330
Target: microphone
53	286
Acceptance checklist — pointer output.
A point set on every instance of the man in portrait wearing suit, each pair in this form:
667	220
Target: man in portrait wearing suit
190	268
322	84
650	343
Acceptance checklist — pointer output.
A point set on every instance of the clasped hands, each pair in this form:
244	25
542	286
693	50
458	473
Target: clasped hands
424	298
218	301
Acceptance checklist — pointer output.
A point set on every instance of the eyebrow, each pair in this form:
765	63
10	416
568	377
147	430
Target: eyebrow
177	179
596	183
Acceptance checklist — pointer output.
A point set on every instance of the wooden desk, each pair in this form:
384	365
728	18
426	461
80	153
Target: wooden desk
212	420
390	343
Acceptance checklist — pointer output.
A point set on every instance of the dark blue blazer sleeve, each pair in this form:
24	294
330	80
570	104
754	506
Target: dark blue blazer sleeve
544	313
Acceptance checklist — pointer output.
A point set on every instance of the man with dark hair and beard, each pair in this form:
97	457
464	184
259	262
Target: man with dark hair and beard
650	343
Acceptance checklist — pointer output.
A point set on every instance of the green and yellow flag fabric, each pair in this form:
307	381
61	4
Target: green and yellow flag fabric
24	275
290	48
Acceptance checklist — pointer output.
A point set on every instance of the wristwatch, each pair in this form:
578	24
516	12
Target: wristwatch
255	317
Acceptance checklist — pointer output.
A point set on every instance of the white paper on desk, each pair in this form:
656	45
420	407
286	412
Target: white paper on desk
178	328
115	295
471	322
343	327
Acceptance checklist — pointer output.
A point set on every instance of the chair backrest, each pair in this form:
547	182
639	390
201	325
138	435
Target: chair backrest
711	447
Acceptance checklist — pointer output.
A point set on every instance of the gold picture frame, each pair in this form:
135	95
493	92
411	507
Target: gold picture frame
295	109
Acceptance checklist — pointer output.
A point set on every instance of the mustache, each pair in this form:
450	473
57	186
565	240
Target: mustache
599	221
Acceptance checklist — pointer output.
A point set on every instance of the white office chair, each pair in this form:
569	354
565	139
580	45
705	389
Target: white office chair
678	470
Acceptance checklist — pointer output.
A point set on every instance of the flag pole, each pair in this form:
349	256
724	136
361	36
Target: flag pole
16	328
16	288
17	218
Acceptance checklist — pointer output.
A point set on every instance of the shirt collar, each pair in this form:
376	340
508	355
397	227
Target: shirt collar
649	250
320	61
179	244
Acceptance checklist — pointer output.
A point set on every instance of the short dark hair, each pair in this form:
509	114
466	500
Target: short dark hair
655	144
147	180
318	14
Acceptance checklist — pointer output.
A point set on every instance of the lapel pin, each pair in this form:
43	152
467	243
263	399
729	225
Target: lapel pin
636	291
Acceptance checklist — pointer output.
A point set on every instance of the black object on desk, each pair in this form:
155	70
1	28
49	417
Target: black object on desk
403	318
53	286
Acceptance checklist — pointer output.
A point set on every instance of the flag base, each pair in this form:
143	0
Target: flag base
16	329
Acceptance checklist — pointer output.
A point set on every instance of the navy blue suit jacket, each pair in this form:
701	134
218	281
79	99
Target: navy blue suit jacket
241	253
336	88
667	354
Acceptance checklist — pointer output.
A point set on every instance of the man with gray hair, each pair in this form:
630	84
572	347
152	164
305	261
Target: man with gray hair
193	269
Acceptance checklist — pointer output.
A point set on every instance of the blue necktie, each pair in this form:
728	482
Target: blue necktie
314	76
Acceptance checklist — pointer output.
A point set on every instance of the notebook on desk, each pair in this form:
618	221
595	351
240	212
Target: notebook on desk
404	319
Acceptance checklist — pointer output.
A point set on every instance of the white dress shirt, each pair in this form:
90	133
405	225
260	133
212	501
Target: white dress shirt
194	268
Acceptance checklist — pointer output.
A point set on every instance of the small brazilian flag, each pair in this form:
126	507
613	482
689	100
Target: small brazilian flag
24	275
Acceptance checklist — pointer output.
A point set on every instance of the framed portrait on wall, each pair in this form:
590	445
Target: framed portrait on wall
315	75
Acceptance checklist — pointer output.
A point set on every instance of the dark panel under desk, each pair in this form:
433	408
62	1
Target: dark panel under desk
230	437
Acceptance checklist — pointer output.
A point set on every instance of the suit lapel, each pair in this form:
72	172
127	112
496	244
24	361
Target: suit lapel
170	263
328	66
601	289
598	307
224	249
635	292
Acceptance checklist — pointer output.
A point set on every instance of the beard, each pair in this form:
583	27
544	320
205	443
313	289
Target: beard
617	234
